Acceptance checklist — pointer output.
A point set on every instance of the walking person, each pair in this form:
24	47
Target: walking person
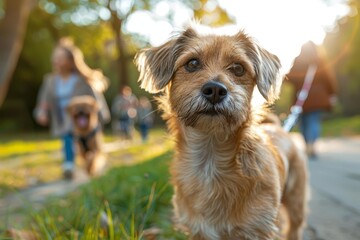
145	117
70	77
321	95
124	111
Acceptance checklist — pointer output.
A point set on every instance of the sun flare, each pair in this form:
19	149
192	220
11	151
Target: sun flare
281	26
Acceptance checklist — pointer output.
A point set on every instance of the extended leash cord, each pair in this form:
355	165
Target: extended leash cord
297	108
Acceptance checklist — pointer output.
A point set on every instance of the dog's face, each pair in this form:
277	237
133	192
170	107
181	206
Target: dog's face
210	78
83	112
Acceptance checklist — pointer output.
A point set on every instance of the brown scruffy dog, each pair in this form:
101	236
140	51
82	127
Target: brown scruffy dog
83	111
230	173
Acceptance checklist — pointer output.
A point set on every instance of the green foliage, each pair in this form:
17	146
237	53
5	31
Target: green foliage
210	13
29	159
119	205
2	13
91	25
339	127
285	101
23	147
49	21
344	53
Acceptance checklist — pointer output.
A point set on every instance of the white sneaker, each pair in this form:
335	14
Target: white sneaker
68	169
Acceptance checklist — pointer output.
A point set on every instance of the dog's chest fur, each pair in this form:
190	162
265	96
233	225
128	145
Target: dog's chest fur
217	179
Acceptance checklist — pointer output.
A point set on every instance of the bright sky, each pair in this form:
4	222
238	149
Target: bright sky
281	26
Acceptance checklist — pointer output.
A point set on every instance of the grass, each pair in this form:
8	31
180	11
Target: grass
338	127
17	175
129	198
341	127
24	145
37	165
20	148
134	195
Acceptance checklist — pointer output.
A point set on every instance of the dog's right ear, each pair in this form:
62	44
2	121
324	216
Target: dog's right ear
157	65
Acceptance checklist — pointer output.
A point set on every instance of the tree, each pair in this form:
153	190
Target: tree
97	27
116	21
120	11
44	28
12	32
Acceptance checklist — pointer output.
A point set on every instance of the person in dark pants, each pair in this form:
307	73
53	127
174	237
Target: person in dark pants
124	111
145	117
321	96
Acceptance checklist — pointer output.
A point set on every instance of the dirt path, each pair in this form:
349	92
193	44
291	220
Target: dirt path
334	208
335	183
32	198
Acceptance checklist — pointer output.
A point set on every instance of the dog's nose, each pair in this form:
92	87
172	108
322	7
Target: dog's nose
214	92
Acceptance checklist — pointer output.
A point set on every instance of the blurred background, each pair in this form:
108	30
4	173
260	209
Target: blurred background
135	194
110	32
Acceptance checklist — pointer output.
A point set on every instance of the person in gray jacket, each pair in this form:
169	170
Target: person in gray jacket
70	77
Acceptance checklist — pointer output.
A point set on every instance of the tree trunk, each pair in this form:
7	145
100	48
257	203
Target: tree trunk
122	61
123	75
12	32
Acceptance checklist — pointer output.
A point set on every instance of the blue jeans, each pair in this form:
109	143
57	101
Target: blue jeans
310	126
126	127
144	130
68	149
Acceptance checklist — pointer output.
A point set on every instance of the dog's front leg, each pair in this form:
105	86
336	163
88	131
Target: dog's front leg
89	158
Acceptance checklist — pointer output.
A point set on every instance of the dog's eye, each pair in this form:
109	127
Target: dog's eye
237	69
192	65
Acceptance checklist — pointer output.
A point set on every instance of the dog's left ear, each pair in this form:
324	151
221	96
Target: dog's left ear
157	65
267	69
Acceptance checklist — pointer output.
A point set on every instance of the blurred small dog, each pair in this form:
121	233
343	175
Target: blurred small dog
83	111
231	174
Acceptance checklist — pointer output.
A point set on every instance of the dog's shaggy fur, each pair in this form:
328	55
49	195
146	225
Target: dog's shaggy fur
83	111
230	173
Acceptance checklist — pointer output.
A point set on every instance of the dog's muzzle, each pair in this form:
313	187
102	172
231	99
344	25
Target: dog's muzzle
214	92
82	119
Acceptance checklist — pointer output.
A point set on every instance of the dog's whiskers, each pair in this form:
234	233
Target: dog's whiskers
154	111
229	172
197	106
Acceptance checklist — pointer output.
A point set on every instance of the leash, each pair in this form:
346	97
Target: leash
297	108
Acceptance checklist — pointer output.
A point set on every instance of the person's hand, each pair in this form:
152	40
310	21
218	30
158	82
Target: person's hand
333	100
42	119
132	112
